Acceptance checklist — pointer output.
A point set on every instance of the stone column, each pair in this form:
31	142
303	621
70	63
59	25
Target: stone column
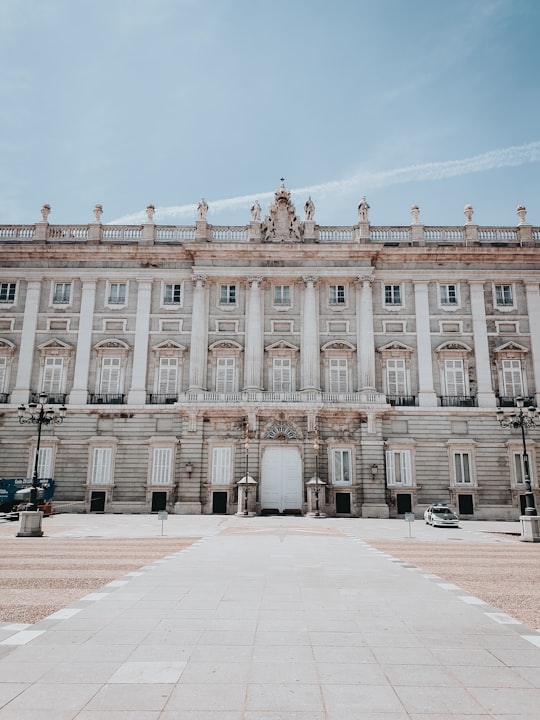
253	358
21	391
365	338
198	356
486	396
79	391
532	291
426	393
137	393
310	352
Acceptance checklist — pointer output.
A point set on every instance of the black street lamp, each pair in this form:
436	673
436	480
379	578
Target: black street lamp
38	414
522	421
246	486
316	449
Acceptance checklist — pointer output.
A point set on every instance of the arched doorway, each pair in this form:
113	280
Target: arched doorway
281	479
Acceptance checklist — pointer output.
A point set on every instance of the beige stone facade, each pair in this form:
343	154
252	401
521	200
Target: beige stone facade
355	370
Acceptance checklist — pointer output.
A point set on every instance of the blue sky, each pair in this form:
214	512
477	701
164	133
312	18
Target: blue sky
131	102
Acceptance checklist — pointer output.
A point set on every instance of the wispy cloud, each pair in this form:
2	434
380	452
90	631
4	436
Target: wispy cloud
364	181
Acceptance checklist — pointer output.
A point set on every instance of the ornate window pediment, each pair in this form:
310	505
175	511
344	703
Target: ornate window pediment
281	430
395	348
453	347
281	345
338	345
168	347
511	349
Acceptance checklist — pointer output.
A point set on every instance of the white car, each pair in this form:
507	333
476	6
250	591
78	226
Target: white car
440	515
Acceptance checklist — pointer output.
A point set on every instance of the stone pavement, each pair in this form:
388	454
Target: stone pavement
270	619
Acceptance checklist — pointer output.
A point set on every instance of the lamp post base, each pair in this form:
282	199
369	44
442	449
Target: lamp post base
30	524
530	528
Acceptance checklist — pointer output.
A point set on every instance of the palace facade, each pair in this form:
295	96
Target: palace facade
356	370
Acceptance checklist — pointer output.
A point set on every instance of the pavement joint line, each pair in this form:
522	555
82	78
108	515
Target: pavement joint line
502	618
534	639
471	600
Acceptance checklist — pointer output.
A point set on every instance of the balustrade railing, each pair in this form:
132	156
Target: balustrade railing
335	234
229	234
174	234
67	233
444	234
17	232
497	235
119	233
390	234
105	399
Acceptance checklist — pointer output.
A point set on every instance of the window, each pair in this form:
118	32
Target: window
172	294
62	293
3	373
282	295
448	294
392	294
337	294
7	292
396	377
101	466
455	378
398	467
227	294
341	463
161	466
45	460
339	380
53	375
512	378
225	375
462	468
168	376
504	295
110	376
519	466
221	466
281	375
117	293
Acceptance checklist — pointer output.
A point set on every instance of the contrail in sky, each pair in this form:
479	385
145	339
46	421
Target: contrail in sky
364	181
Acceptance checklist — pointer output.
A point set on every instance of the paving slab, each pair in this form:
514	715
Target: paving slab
270	619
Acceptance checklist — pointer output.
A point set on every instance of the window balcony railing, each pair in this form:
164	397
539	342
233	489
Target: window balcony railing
401	400
4	397
52	398
106	399
457	401
510	401
162	399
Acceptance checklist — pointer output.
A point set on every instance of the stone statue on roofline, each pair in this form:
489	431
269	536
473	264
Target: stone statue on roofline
363	209
256	212
309	208
202	209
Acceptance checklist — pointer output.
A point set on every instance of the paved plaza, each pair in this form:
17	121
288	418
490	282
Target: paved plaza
270	619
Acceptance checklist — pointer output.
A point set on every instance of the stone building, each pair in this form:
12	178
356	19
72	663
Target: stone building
354	369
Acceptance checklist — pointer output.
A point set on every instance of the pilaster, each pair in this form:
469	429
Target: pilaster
199	336
22	388
426	393
310	350
254	337
485	394
365	334
137	393
79	392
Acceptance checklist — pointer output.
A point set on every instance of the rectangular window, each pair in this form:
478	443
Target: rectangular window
339	380
227	294
44	468
282	295
225	375
503	295
168	376
172	295
512	378
342	467
448	294
455	378
462	467
519	466
117	293
62	293
392	294
53	375
101	466
221	466
337	294
281	375
396	379
7	292
161	466
398	468
3	374
110	376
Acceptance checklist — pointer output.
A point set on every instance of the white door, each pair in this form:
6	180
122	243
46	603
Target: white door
281	480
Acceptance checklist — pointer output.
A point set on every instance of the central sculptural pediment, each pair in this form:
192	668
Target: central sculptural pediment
281	224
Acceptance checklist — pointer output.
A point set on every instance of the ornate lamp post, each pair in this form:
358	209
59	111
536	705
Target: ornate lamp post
246	486
522	421
316	449
38	414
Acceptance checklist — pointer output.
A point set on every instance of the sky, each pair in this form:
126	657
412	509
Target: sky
132	102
